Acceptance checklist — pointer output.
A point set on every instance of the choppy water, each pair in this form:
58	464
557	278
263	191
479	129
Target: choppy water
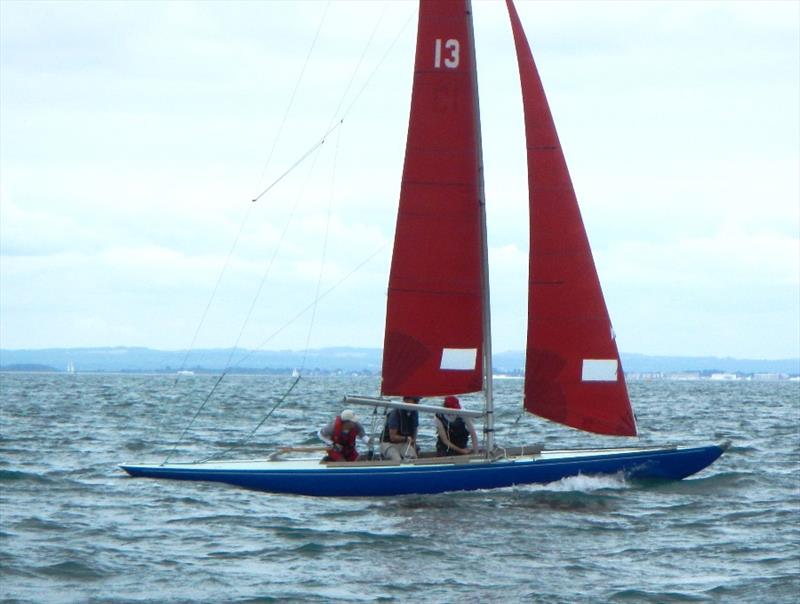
75	529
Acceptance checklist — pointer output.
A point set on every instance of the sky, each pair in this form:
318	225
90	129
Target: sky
133	137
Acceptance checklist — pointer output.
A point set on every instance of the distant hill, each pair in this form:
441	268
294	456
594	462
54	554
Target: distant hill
363	360
128	359
29	368
643	364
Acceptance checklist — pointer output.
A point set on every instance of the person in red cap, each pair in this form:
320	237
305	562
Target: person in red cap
453	431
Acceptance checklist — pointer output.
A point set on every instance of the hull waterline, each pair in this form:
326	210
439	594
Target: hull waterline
310	477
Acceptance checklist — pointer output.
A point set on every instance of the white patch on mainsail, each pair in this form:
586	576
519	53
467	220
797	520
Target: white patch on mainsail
599	370
459	359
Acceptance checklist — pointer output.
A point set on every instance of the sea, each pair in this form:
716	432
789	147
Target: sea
75	528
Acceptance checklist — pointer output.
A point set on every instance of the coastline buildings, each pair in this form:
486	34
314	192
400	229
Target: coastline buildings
683	376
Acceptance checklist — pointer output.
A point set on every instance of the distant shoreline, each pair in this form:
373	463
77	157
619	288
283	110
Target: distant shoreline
630	377
354	361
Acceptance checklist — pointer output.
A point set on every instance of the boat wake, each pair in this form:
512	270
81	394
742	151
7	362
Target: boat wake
581	483
576	494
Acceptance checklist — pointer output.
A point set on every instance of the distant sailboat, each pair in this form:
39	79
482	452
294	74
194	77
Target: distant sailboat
70	367
438	336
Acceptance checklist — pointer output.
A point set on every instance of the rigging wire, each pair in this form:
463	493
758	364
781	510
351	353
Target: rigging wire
373	430
333	183
263	171
347	111
242	225
377	67
358	67
271	262
300	160
252	432
274	334
194	417
311	150
293	95
213	293
285	230
197	333
324	256
305	309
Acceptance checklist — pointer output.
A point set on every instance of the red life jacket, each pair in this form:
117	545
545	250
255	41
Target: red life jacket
345	440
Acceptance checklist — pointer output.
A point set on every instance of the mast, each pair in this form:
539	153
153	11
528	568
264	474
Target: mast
488	428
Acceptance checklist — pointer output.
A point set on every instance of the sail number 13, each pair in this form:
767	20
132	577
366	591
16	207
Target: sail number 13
446	54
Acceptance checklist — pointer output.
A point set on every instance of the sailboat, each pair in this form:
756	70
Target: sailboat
438	333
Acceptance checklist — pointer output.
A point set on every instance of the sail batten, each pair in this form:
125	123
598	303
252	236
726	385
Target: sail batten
573	373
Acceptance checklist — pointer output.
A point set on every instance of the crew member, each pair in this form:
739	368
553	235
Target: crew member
453	431
399	437
342	433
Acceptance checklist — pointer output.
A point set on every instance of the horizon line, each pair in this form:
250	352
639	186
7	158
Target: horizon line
365	348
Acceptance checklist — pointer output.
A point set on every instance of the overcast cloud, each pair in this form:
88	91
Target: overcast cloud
133	136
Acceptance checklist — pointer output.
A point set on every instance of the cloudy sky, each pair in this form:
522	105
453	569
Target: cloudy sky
134	135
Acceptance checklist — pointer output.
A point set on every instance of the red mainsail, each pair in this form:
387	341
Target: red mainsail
573	373
434	334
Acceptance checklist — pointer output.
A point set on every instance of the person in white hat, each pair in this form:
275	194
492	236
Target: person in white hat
342	434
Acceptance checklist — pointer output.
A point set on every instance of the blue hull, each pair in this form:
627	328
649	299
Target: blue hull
365	480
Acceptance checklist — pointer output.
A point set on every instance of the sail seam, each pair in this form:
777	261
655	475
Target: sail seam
407	181
436	292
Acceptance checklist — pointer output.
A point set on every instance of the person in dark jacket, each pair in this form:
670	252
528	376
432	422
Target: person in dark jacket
453	431
399	437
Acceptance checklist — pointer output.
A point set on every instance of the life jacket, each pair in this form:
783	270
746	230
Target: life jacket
346	441
408	422
457	433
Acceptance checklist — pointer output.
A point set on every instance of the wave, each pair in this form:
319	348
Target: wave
41	524
15	475
640	596
77	529
702	484
72	570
